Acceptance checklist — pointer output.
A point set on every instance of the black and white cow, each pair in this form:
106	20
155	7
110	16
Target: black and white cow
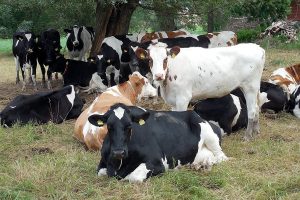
76	72
48	49
114	59
39	108
79	41
228	112
24	51
294	102
142	143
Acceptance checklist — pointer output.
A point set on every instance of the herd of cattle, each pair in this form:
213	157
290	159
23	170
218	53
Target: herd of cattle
221	76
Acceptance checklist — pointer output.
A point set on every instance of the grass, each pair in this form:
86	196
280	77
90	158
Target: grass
45	162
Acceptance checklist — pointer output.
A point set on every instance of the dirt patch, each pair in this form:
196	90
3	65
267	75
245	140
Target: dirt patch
41	150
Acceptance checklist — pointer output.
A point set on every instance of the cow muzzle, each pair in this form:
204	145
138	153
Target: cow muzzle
159	77
119	154
75	44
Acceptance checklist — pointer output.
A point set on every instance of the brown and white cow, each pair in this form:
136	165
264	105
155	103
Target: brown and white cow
222	39
287	77
145	37
127	93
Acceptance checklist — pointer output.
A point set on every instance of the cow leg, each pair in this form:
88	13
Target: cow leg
43	74
182	102
211	141
253	112
33	76
49	74
116	77
17	69
23	70
102	168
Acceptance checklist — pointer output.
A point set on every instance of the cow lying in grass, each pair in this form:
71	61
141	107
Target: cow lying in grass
142	143
42	107
128	93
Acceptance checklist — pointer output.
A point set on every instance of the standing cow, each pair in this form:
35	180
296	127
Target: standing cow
186	73
79	41
48	51
24	51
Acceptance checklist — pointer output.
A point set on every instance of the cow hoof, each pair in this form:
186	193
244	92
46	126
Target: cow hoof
221	158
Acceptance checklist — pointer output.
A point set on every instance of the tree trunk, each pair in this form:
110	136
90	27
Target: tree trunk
210	19
103	13
112	20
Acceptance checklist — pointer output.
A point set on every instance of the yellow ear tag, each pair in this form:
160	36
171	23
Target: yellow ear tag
142	122
142	56
173	55
100	123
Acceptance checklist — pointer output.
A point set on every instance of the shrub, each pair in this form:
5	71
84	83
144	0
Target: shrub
248	35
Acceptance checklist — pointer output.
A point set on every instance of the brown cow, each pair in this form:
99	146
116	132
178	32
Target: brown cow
127	93
287	77
145	37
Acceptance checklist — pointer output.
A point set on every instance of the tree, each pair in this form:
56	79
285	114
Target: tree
112	18
263	11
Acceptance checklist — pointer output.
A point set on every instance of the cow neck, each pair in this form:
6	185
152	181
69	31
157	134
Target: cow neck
128	91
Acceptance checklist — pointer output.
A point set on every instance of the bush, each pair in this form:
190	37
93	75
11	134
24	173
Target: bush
4	32
25	26
248	35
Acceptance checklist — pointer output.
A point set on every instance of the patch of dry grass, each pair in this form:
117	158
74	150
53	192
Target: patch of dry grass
45	162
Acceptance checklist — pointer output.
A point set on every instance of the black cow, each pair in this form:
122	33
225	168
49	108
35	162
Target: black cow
272	98
294	102
25	53
79	41
75	72
39	108
48	50
228	112
142	143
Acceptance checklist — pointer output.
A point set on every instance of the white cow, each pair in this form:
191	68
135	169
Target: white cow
195	72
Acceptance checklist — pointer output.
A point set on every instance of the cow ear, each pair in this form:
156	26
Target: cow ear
19	37
67	30
141	53
97	120
174	51
139	115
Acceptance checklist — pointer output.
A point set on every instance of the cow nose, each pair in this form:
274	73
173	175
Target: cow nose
159	77
75	43
119	154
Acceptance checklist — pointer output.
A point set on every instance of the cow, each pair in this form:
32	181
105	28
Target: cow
228	112
195	72
76	72
128	93
145	37
114	59
143	143
48	50
42	107
79	41
222	39
294	102
24	51
286	77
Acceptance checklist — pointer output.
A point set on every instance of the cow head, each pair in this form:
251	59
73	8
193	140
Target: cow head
49	45
119	119
142	86
73	37
158	56
29	41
